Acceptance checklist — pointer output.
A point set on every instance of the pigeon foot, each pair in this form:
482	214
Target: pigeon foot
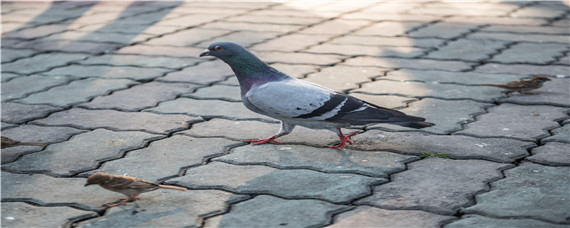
263	141
344	139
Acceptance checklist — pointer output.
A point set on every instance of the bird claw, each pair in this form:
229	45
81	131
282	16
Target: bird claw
344	139
263	141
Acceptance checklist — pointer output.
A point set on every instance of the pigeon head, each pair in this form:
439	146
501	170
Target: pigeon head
224	50
98	178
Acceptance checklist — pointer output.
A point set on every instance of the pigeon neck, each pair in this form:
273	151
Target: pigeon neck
251	71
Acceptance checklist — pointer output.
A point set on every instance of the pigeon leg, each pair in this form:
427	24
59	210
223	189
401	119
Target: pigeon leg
344	139
284	130
123	201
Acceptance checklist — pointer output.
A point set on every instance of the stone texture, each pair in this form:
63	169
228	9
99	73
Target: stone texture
9	76
292	42
116	120
456	146
431	90
509	21
186	38
468	50
552	153
387	101
244	38
140	96
298	58
21	113
36	32
134	73
522	69
148	50
426	64
440	76
335	27
539	38
294	70
98	37
203	73
98	145
445	30
9	55
561	134
41	62
538	11
531	53
261	212
76	91
207	109
529	190
21	86
342	77
352	49
25	215
388	41
526	29
286	183
555	92
366	216
69	46
219	92
472	220
169	157
142	61
505	121
389	16
387	28
370	163
255	27
424	187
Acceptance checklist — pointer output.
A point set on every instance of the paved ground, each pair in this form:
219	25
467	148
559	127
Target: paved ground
118	88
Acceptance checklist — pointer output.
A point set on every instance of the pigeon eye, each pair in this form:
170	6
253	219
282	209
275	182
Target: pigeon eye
217	48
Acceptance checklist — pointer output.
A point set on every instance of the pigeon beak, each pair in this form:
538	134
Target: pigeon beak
205	53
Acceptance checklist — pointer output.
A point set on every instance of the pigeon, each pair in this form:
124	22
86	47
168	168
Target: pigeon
8	142
267	91
523	86
130	186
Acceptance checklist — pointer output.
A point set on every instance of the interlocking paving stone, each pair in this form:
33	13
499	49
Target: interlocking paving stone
495	20
135	73
168	157
15	214
206	108
342	77
444	30
538	11
526	29
468	50
352	49
244	26
128	29
76	91
276	19
21	113
444	11
34	133
142	61
427	64
529	190
291	42
262	212
472	220
552	153
522	69
456	146
387	28
139	97
561	134
335	27
41	62
8	76
555	92
540	38
36	32
244	38
191	20
9	55
516	121
371	163
22	86
339	188
389	16
448	115
531	53
468	78
564	60
69	46
222	92
504	6
186	37
431	90
63	159
388	41
294	70
166	208
435	184
299	58
203	73
387	101
366	216
98	37
127	121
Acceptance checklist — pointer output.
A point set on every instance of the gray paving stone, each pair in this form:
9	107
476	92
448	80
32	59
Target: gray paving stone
561	134
76	91
116	120
526	29
431	90
203	73
70	46
15	214
244	38
448	115
538	11
393	102
190	20
168	156
128	29
21	113
98	37
22	86
472	220
342	77
529	190
186	37
335	27
482	20
388	41
152	50
392	7
366	216
456	146
478	6
134	73
141	96
298	58
41	62
447	11
564	60
370	163
9	55
389	16
531	53
164	208
207	109
555	92
291	42
426	64
255	27
516	121
295	70
142	61
522	69
552	153
63	159
338	188
261	212
445	30
437	76
352	49
36	32
34	133
220	92
539	38
8	76
387	28
436	185
467	49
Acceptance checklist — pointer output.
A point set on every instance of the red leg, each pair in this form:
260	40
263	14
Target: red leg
268	140
344	139
123	201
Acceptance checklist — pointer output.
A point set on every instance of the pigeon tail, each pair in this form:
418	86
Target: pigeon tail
172	187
